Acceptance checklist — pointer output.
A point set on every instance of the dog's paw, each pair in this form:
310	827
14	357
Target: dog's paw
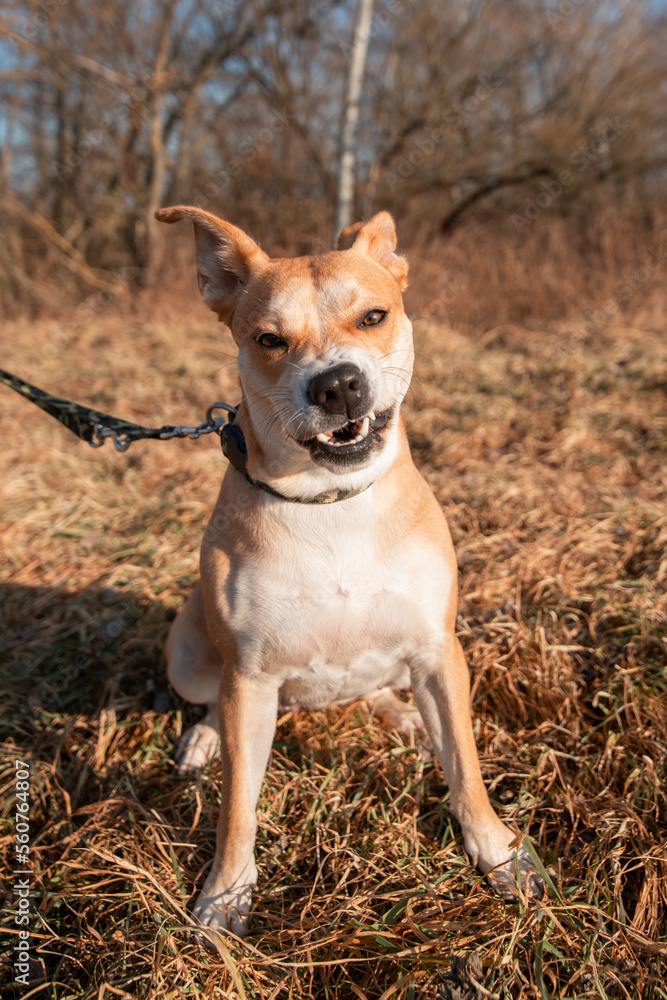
198	745
503	879
223	911
406	719
396	713
424	747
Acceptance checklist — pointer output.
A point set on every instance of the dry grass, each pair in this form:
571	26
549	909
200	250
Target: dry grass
605	261
548	451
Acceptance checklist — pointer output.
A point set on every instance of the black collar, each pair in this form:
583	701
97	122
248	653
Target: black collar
235	451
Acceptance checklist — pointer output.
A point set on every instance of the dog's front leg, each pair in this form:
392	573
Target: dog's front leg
248	708
442	691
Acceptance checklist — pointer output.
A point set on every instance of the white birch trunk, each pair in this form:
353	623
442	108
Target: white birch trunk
348	145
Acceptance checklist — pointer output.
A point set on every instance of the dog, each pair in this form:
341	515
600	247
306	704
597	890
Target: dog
327	568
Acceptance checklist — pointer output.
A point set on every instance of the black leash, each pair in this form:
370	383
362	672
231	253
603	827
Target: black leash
95	427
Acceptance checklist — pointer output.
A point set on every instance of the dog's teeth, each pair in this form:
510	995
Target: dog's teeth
371	415
327	437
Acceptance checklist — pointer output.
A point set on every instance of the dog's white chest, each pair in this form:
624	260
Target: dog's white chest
332	615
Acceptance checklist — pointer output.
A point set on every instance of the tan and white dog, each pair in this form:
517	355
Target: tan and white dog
327	569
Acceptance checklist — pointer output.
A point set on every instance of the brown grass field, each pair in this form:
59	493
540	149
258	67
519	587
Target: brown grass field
547	448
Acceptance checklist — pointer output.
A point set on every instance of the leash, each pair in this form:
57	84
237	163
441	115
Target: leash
95	427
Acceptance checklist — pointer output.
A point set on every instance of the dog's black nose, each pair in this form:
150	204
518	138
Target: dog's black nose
341	389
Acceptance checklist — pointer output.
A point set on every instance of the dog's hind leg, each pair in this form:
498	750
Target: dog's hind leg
395	712
193	667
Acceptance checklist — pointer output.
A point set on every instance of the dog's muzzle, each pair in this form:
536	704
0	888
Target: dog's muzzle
346	430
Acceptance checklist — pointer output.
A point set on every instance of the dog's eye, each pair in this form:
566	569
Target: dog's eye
270	340
373	317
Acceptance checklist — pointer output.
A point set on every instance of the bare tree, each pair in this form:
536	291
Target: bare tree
458	111
159	88
345	192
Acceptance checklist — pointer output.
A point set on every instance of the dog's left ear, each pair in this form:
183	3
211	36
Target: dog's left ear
377	238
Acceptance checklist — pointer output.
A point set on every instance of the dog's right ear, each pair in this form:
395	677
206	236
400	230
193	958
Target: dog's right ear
225	257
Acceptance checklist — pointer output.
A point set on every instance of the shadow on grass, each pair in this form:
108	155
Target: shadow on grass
64	651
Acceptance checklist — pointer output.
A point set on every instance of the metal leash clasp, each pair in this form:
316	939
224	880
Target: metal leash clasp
100	433
214	423
210	424
123	441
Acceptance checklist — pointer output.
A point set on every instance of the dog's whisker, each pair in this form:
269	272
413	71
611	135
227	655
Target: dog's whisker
222	367
302	422
389	354
299	368
395	374
262	394
274	416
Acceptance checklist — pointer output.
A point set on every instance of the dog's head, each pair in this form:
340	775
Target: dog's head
325	347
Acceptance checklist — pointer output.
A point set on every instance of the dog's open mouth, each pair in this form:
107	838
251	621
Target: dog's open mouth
352	433
350	444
